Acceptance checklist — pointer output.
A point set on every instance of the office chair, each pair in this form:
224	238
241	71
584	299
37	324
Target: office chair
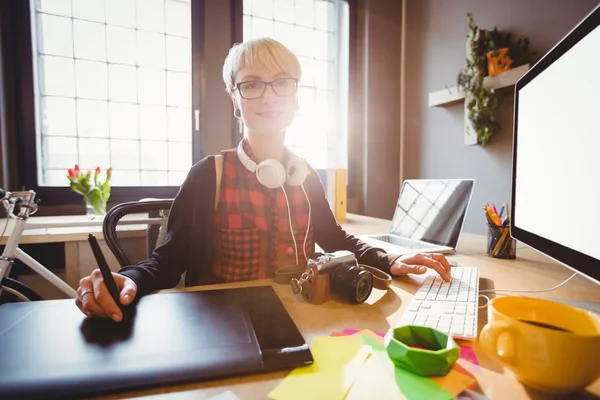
133	230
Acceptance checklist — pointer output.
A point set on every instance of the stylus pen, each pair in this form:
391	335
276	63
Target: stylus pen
105	270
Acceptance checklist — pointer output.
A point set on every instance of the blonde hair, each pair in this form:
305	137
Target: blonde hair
269	52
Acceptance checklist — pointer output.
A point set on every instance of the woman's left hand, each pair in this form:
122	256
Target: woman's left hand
418	264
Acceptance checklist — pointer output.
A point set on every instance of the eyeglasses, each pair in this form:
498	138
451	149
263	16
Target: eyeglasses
256	89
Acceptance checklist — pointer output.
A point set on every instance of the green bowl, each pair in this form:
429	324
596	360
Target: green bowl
436	355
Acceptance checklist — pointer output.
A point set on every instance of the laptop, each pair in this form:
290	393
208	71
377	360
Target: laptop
51	350
429	217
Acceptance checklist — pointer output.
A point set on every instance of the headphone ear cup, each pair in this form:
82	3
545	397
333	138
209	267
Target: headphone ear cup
271	173
296	172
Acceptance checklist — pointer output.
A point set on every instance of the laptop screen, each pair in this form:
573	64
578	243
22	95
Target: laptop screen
432	210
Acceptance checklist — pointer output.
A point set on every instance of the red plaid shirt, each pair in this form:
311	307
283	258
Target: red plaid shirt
251	227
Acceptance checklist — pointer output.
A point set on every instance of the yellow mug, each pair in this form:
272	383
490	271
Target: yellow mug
548	346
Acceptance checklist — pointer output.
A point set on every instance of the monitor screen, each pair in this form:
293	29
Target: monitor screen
556	157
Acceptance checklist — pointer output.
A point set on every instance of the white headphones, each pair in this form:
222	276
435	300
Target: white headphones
271	173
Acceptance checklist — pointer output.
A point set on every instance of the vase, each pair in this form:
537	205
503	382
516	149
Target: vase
92	212
498	61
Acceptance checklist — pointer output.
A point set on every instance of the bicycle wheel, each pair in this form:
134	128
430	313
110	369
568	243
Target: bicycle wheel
13	291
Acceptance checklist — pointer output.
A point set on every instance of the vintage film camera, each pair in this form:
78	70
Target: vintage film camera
334	273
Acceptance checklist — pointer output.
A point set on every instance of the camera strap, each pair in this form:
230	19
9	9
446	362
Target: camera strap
285	274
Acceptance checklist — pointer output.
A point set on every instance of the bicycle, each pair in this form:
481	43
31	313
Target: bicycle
19	206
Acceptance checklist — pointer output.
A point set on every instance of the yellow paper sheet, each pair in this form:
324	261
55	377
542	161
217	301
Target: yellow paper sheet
337	362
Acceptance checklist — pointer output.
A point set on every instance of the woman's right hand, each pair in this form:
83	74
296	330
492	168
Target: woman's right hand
94	299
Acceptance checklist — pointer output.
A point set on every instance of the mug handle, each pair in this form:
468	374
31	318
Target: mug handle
489	341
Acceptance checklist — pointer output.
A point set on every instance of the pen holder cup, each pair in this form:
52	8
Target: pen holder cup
499	242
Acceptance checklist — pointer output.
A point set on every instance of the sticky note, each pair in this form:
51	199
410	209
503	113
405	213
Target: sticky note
374	383
468	353
337	363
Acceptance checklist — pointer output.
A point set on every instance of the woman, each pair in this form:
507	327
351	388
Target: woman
248	211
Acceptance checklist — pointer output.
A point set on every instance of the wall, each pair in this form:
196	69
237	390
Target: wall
435	51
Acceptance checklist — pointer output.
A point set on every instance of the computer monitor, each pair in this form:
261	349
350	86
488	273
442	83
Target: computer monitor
556	152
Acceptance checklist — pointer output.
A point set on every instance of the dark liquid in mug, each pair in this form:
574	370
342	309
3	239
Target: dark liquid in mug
548	326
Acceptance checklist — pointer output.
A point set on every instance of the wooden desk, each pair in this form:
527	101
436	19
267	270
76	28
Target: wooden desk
383	309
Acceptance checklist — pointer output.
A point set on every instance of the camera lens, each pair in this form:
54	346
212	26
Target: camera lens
353	282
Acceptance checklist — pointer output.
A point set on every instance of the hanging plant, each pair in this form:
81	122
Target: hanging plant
494	51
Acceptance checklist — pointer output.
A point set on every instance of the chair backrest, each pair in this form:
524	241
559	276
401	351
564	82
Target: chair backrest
133	230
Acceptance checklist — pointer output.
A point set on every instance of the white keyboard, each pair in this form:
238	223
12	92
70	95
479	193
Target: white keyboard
450	307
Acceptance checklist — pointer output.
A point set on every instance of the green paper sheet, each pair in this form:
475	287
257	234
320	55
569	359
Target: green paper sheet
337	363
391	380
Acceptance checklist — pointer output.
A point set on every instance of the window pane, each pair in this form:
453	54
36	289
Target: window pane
55	177
151	15
60	7
154	155
153	122
105	75
123	119
120	12
305	13
179	124
57	76
90	10
323	78
179	89
308	71
324	15
151	49
92	118
125	178
92	79
178	18
151	86
247	26
284	11
58	116
93	153
60	152
179	55
125	154
122	83
56	35
321	45
262	8
176	178
90	40
155	178
121	45
262	28
286	34
305	46
180	156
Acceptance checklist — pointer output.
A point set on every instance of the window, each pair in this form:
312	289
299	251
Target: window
317	31
113	87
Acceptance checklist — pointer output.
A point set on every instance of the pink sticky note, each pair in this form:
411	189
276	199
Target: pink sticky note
349	331
467	353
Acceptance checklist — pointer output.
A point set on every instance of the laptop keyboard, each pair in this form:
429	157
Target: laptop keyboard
450	307
398	241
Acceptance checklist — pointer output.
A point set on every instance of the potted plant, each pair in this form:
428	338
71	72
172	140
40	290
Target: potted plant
489	53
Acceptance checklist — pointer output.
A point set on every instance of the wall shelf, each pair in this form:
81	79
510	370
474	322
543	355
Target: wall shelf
452	95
